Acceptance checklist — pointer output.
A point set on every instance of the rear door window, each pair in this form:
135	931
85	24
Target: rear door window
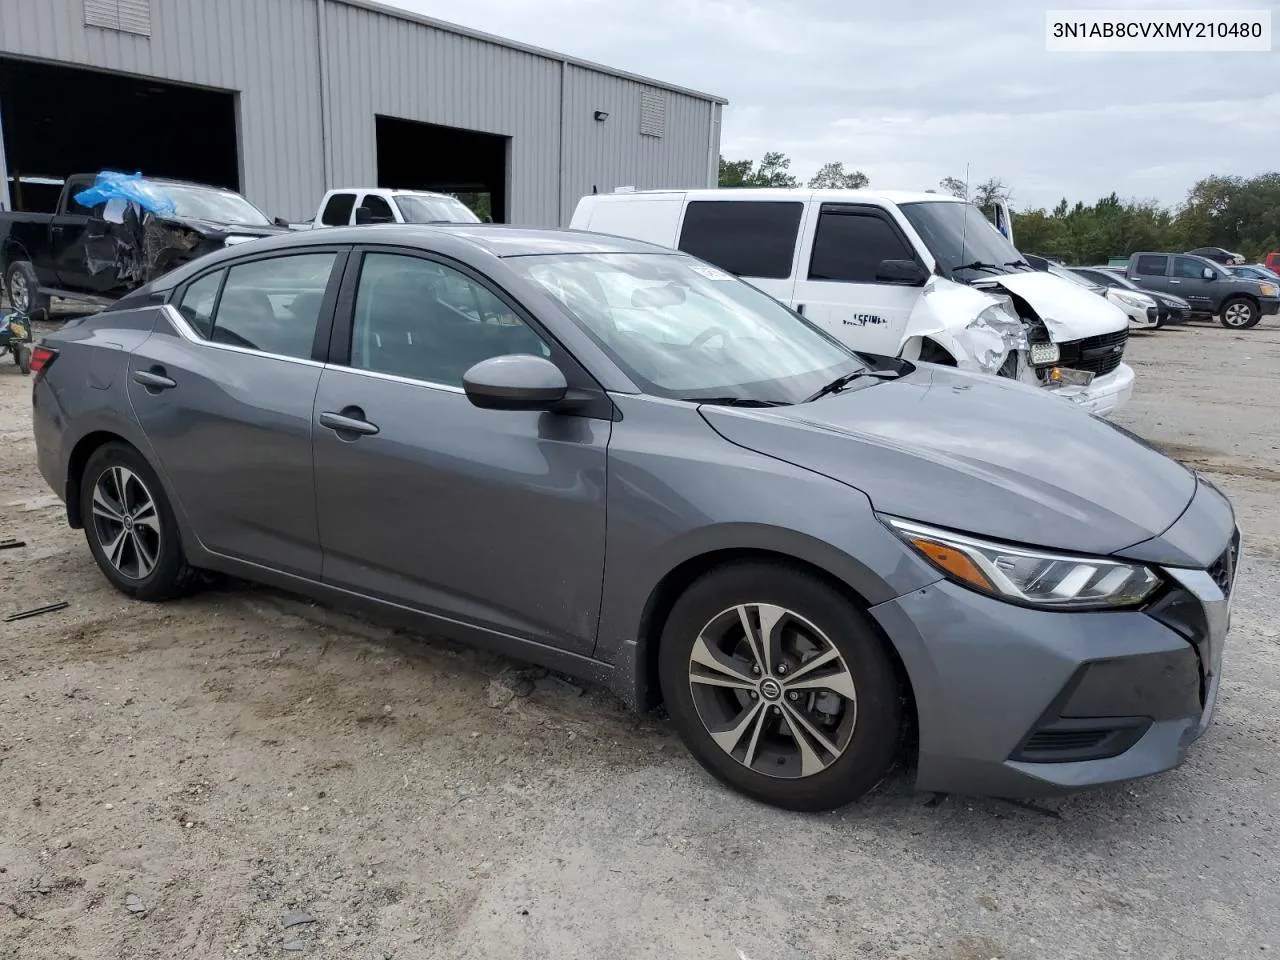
748	239
1150	265
198	302
273	305
850	244
337	212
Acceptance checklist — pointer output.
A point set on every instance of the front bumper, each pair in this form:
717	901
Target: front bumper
1105	395
1268	306
1015	702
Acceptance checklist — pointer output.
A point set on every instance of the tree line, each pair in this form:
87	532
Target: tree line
1241	214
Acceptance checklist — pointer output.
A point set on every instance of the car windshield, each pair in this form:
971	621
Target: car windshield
1075	278
429	209
962	240
1118	280
683	329
214	205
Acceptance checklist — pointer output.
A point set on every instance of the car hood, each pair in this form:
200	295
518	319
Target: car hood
977	454
211	227
1069	311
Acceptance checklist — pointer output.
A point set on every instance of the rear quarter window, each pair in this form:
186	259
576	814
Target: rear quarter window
748	239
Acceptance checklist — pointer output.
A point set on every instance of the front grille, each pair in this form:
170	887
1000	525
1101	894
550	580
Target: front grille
1097	355
1069	740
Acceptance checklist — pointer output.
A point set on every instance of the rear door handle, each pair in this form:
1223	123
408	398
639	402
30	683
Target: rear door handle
153	380
343	423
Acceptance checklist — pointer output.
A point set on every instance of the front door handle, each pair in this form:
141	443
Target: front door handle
154	380
350	420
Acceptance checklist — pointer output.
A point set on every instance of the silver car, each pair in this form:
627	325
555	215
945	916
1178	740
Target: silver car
623	463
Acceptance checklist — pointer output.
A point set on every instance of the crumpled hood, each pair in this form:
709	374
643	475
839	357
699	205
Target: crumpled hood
213	228
978	454
1069	311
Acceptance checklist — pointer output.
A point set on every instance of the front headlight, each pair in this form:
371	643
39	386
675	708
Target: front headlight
1132	301
1268	289
1031	577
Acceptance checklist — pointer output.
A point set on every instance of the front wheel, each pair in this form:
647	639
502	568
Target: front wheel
23	287
1239	314
130	526
780	687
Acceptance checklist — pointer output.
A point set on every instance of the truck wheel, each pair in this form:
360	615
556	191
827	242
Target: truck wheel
1239	314
24	290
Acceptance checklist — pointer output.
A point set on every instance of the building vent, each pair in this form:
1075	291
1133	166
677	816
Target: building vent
130	16
653	113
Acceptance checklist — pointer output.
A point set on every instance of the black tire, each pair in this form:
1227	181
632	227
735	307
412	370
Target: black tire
21	276
1243	312
169	574
22	357
874	732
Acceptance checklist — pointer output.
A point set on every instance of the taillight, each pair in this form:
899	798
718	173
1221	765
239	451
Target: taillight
42	357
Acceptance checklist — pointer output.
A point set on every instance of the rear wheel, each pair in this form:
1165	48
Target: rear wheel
1239	314
130	525
24	290
780	687
22	357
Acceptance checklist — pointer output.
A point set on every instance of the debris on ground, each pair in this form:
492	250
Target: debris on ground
296	917
37	611
133	903
11	543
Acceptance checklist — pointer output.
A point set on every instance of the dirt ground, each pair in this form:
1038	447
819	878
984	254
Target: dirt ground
244	774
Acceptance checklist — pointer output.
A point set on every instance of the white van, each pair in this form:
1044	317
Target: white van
917	275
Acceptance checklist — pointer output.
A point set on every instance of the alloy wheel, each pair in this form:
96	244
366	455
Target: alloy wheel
1237	315
19	293
772	690
126	522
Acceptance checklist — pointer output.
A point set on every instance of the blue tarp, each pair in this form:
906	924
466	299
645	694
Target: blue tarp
129	187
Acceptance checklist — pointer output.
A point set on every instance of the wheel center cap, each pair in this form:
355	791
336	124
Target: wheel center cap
128	523
770	688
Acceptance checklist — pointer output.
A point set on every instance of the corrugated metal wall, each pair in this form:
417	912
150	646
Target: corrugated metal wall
267	51
264	50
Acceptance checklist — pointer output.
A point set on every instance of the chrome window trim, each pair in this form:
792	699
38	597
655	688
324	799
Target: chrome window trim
396	378
188	333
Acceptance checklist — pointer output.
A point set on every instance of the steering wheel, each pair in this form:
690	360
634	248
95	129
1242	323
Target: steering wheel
706	335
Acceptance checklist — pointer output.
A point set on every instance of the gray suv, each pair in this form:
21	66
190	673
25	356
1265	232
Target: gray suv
624	463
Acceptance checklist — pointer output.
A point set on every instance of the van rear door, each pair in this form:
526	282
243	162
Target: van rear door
839	283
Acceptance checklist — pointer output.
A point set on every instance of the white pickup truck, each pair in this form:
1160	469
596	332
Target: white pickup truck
916	275
340	208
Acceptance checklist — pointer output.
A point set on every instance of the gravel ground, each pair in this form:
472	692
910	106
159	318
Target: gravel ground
182	780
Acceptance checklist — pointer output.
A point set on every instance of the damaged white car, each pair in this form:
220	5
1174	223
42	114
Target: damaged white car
917	275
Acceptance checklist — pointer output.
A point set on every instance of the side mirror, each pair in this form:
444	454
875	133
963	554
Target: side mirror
364	215
901	271
518	381
1207	273
280	221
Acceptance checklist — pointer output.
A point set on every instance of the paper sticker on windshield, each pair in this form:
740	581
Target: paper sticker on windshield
710	272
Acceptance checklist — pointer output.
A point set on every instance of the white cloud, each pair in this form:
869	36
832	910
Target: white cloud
912	92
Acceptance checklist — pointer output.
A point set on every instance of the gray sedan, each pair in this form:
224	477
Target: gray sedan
623	463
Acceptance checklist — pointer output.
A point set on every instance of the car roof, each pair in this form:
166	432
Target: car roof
783	193
497	240
393	191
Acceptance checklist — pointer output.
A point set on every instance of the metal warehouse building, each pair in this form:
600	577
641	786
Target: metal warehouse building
283	99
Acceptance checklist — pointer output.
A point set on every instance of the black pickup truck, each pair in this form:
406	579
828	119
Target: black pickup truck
1237	302
80	253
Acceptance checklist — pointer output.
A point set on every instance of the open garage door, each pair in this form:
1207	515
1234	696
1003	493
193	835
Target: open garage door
61	120
426	156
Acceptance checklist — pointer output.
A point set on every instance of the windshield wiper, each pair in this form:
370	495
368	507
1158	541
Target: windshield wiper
1018	263
737	401
839	383
978	265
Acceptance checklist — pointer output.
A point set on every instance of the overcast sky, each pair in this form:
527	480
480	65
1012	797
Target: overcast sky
910	92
